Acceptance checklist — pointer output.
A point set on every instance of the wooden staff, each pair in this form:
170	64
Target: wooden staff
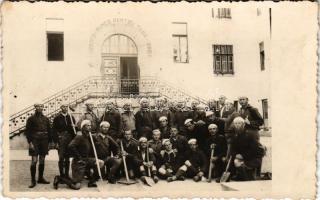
95	155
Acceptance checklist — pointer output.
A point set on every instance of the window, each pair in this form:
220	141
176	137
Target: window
55	46
224	13
262	56
265	109
223	59
180	42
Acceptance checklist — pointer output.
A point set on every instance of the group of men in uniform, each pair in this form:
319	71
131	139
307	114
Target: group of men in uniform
167	142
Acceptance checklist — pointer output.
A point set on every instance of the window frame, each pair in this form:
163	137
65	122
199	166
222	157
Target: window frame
179	36
262	56
47	46
223	61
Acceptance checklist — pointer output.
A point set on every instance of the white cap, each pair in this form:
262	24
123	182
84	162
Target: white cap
143	139
164	141
192	141
187	121
163	118
238	119
104	123
209	113
85	122
212	126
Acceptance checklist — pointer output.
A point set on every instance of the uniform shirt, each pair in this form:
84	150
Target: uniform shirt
197	159
180	143
80	147
38	123
170	159
145	118
220	149
131	147
156	146
141	156
253	116
62	123
165	132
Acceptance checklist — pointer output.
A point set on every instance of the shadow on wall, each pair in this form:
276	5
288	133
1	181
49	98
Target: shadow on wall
19	142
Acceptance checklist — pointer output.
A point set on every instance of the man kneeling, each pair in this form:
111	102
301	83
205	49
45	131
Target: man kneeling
195	164
83	160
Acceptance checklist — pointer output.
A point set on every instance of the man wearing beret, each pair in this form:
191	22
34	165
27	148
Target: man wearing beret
247	151
83	160
64	130
38	133
145	160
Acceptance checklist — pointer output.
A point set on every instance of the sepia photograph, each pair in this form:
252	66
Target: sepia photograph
152	99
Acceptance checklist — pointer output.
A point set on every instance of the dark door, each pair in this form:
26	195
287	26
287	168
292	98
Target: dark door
129	75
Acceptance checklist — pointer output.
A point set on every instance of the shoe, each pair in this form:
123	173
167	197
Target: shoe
43	181
171	178
196	178
92	184
33	184
181	178
112	179
143	179
155	179
56	182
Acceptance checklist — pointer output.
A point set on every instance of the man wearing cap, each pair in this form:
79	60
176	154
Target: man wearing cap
219	144
145	119
179	142
170	161
251	115
197	131
164	127
112	116
128	121
130	146
90	115
105	145
64	130
38	133
145	160
246	151
195	164
83	159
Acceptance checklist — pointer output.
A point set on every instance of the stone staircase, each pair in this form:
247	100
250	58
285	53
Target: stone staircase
99	89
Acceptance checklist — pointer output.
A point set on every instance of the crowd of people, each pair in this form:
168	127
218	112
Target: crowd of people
168	142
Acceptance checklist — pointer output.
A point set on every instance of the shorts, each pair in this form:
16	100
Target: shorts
41	147
64	139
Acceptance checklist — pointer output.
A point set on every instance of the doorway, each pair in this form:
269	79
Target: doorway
129	75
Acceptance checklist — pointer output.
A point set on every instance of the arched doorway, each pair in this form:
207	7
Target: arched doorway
120	63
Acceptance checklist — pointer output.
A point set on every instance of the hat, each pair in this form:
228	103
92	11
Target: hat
238	119
143	99
104	123
38	104
164	141
90	102
85	122
163	118
187	121
192	141
64	103
209	113
212	126
143	139
156	131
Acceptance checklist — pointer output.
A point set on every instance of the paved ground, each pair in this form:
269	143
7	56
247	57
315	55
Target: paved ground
20	178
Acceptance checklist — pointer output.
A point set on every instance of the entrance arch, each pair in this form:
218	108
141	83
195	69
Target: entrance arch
119	55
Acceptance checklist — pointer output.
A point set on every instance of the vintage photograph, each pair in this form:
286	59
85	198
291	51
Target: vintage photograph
138	99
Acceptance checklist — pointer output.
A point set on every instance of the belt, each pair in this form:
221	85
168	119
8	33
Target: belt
41	132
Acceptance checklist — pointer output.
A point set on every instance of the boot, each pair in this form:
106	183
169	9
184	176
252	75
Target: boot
180	175
66	168
171	178
33	169
41	180
56	182
196	178
155	177
60	165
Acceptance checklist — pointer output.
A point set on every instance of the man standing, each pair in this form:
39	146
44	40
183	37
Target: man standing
251	115
105	145
112	116
64	130
145	119
179	116
90	115
246	151
197	131
38	133
128	121
220	149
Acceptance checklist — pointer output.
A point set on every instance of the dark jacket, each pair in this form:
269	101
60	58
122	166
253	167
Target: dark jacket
197	159
180	143
80	147
39	123
145	122
253	116
220	149
164	112
105	145
114	119
179	117
200	133
131	147
247	144
93	118
63	124
170	160
139	159
165	132
196	115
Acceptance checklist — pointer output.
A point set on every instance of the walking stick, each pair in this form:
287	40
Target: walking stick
95	155
212	146
72	123
127	182
148	179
